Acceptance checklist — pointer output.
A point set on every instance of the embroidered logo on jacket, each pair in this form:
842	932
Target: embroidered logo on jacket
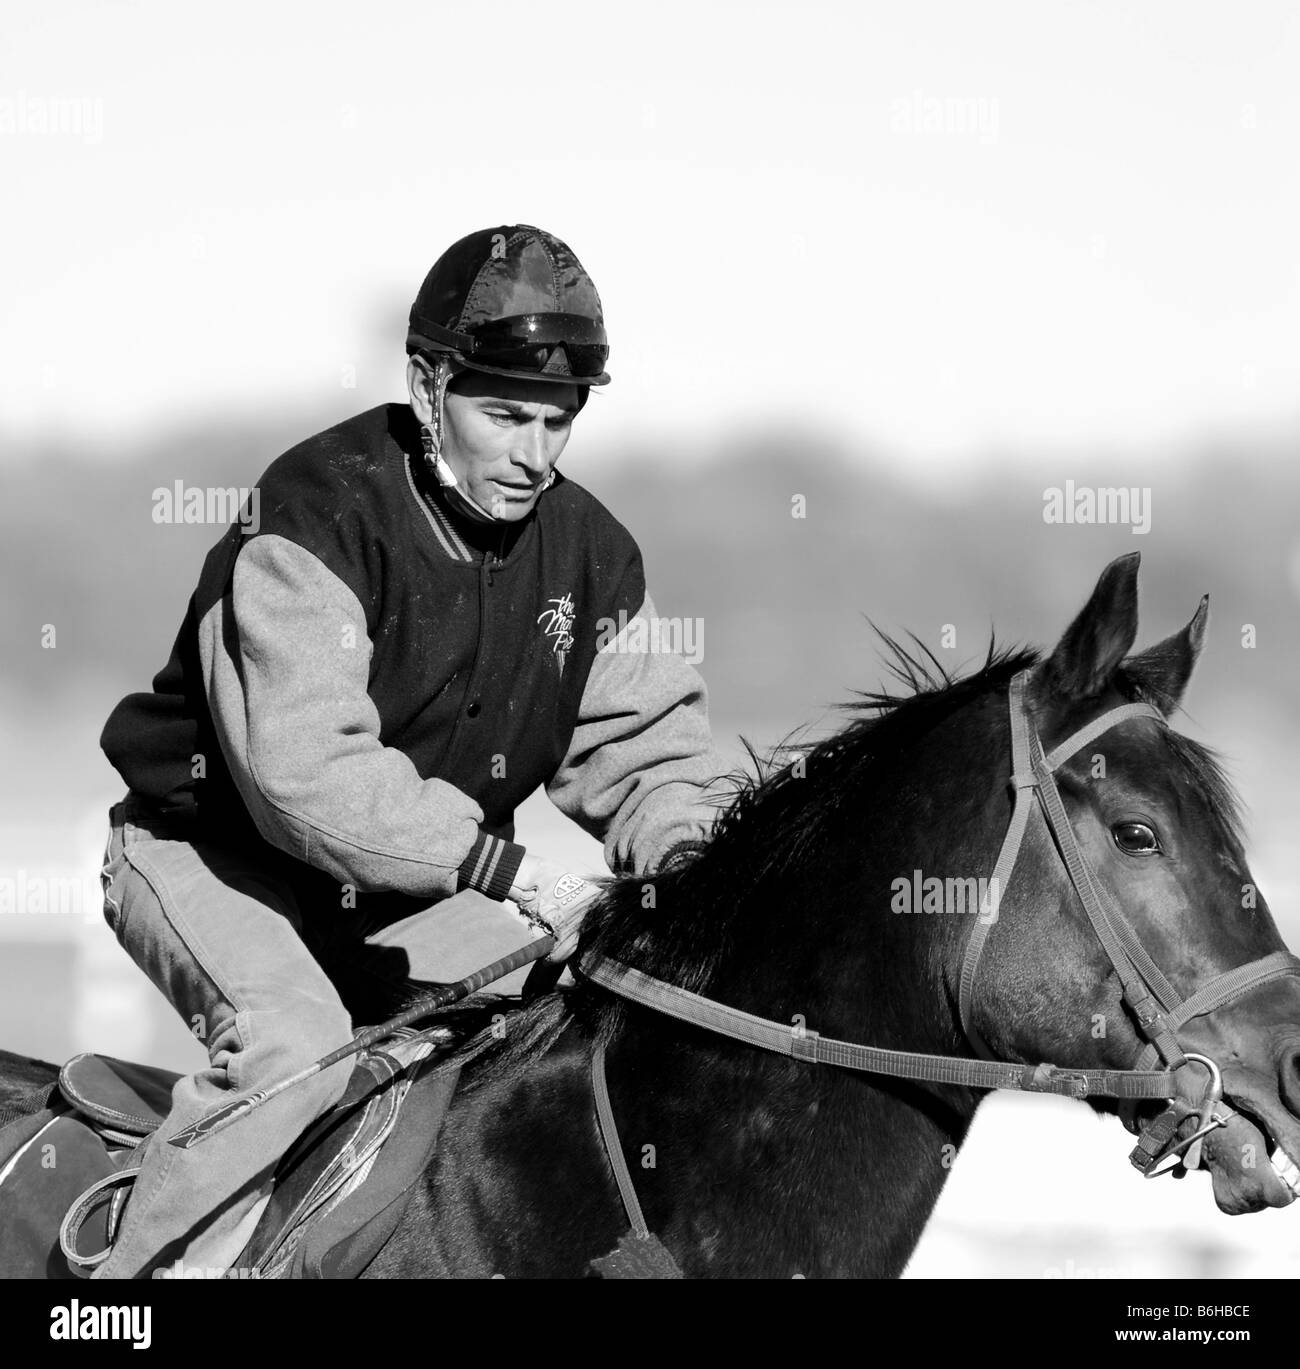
557	624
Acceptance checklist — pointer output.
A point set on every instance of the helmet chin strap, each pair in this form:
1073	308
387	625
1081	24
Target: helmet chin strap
461	498
443	473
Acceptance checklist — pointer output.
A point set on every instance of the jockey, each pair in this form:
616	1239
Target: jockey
411	636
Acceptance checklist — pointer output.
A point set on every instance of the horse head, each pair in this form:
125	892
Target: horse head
1157	826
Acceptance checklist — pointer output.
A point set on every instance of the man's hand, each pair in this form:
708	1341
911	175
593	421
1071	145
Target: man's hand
550	891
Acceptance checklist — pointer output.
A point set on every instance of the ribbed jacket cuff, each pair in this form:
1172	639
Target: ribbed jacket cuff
490	867
682	852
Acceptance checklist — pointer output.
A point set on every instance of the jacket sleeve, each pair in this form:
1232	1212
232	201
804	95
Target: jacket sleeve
641	767
286	661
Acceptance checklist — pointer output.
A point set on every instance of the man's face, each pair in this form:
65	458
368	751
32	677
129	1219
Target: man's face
502	436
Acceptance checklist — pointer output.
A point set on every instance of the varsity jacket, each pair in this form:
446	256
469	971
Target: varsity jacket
370	683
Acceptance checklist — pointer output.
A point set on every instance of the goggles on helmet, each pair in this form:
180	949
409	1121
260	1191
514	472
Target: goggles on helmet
524	342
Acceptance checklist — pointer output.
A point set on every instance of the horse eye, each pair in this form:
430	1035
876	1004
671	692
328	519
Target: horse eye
1135	838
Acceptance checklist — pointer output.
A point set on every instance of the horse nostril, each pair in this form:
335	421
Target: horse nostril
1288	1069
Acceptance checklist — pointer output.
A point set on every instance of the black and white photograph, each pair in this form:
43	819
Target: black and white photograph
651	642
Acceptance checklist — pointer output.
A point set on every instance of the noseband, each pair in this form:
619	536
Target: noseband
1158	1008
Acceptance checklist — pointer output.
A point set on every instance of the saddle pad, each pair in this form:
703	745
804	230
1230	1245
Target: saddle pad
373	1143
116	1093
362	1209
58	1157
324	1154
347	1237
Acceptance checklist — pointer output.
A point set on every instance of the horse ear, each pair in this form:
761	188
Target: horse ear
1095	644
1163	670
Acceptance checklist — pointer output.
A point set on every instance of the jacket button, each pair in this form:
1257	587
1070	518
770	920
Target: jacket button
473	709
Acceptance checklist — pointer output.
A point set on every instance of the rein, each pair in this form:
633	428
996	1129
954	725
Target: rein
802	1044
1159	1009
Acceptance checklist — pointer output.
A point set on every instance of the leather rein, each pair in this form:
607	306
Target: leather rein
1160	1011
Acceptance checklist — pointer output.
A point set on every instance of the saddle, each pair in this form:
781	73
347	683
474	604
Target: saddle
339	1192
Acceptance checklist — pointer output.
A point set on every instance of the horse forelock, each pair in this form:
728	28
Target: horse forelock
1201	767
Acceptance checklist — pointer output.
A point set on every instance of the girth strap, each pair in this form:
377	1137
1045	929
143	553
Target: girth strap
640	1254
609	1133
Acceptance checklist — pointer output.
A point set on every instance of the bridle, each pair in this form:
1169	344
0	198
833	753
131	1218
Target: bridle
1159	1010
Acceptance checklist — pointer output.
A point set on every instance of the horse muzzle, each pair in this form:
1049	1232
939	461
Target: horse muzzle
1247	1144
1248	1169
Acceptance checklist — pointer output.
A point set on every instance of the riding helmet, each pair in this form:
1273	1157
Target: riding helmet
514	301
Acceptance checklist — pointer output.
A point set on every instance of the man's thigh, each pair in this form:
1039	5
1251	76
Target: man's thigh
217	932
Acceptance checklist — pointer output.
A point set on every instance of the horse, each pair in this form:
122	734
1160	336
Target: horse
608	1105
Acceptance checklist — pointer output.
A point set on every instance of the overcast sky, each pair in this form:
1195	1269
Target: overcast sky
938	228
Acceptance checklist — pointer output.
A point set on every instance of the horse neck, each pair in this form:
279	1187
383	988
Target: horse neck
759	1160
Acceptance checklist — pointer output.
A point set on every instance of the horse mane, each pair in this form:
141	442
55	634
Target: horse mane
779	809
778	815
775	819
